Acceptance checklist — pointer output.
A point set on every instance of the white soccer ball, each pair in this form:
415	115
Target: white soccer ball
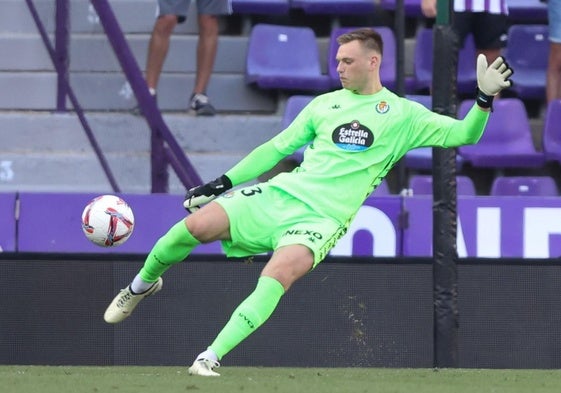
107	221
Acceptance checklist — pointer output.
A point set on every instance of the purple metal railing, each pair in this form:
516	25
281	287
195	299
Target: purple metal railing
164	148
161	154
59	57
62	40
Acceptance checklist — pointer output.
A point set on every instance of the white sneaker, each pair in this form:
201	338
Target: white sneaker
125	302
204	367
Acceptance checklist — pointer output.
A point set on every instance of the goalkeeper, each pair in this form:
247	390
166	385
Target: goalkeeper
355	136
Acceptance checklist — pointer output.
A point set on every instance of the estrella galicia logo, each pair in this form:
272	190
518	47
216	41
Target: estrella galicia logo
353	136
382	107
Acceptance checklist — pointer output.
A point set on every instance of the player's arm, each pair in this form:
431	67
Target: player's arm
431	129
258	161
491	79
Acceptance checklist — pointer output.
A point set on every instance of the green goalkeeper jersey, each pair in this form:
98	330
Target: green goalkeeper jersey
353	142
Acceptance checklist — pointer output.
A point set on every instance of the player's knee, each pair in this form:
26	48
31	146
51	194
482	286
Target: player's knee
197	227
203	228
288	271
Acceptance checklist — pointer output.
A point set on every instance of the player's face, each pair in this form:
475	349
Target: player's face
355	66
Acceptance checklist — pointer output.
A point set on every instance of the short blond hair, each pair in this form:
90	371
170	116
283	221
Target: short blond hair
370	38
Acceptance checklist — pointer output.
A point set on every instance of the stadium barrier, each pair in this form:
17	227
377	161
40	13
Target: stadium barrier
349	312
369	304
385	226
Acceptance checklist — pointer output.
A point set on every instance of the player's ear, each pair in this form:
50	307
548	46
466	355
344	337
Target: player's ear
375	60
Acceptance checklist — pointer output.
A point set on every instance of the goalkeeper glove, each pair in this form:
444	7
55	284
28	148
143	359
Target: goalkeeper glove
491	79
200	195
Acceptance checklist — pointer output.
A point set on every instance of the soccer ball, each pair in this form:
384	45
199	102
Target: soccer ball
107	221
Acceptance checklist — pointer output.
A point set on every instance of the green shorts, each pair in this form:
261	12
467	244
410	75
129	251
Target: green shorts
264	218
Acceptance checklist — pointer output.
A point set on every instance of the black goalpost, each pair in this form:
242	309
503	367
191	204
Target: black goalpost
445	288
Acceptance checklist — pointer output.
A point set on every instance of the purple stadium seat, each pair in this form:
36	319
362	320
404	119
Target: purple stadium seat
262	7
421	158
335	7
466	78
422	185
534	11
527	52
388	68
524	186
382	189
284	57
507	140
552	132
412	8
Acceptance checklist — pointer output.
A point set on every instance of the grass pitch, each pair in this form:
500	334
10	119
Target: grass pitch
74	379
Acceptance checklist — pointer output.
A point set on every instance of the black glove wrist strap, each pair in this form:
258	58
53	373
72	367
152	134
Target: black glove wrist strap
484	100
225	181
216	187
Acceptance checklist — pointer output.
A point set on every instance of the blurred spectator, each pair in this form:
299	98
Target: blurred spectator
553	85
170	13
486	20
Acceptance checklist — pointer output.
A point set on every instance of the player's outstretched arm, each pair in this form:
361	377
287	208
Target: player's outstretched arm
260	160
491	80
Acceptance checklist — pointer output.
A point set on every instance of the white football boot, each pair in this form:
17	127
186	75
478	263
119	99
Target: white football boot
204	367
125	302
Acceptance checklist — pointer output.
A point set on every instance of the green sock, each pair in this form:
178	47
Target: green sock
249	315
170	249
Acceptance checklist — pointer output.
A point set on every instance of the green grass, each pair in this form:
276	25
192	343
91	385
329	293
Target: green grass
72	379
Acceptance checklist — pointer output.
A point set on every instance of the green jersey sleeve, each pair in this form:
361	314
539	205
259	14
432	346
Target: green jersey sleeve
258	161
469	130
267	155
431	129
